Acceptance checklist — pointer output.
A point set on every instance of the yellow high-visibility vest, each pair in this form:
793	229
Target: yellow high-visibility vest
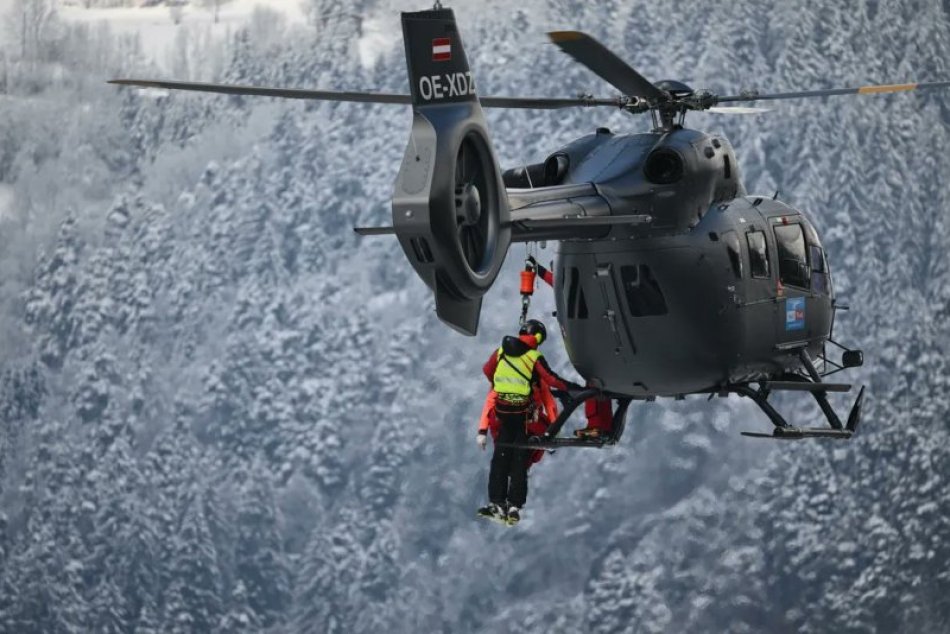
513	374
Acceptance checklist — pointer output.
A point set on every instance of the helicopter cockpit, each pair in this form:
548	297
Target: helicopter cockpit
799	254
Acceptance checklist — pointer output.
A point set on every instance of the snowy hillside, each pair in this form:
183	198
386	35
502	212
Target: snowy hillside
221	411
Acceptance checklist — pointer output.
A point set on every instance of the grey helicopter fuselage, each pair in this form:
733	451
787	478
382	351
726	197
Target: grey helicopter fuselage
669	279
717	288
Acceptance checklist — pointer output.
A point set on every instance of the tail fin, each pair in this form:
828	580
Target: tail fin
438	69
450	210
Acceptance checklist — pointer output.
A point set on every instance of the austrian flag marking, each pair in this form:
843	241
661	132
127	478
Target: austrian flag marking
441	49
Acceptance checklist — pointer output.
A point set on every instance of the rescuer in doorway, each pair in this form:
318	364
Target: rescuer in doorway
513	369
598	410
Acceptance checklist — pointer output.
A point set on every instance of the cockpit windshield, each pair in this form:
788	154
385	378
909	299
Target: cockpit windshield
792	255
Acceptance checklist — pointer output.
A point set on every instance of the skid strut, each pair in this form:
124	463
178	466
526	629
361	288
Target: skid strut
571	402
811	383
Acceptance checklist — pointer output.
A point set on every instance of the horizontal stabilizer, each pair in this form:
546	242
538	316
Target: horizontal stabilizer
375	231
582	221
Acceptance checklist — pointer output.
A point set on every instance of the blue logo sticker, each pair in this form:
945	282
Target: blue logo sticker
795	313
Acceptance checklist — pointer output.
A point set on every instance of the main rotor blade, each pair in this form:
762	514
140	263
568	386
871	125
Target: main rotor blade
607	65
862	90
287	93
543	103
737	110
539	103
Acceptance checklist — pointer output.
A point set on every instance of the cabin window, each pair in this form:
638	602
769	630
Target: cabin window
571	291
792	258
644	296
758	254
576	302
731	240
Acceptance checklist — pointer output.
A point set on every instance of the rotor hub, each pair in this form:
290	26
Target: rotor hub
468	204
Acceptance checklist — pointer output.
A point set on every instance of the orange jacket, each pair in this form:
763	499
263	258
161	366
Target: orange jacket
545	412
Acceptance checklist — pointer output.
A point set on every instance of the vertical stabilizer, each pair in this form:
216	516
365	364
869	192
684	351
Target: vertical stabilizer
450	210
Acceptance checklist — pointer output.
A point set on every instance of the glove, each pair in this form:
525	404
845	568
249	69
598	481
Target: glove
482	440
538	268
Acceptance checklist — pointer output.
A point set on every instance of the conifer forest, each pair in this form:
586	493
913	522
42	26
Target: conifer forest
223	411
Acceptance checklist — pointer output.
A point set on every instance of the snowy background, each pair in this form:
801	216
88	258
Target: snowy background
220	411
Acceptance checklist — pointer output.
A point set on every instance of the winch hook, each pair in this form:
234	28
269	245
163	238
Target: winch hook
528	277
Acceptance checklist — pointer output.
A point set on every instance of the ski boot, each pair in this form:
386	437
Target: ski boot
493	512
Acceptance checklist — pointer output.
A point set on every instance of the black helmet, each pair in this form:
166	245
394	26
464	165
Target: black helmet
534	327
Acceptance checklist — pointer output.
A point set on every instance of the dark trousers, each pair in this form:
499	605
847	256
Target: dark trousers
508	477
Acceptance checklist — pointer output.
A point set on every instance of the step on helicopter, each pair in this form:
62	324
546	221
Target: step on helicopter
670	279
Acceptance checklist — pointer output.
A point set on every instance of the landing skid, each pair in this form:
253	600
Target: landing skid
543	442
813	384
796	433
571	402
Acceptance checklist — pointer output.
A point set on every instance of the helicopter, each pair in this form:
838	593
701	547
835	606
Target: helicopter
670	279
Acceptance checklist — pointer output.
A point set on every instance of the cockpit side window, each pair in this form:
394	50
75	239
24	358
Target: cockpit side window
576	302
811	236
792	257
820	273
819	270
817	259
758	254
731	240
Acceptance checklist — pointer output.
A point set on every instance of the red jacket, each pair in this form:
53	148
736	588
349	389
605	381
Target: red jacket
546	274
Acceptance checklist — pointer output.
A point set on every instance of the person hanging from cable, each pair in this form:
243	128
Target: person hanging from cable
543	412
598	410
514	370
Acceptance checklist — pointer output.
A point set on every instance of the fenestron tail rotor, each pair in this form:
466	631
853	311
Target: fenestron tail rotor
476	214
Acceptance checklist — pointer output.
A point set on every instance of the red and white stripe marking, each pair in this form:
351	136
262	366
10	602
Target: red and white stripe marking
441	49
